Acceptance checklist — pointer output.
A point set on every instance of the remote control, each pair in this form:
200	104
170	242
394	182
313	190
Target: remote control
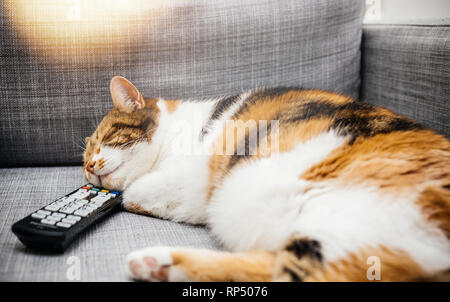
55	226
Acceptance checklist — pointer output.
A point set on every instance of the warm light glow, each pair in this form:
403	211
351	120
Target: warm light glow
80	25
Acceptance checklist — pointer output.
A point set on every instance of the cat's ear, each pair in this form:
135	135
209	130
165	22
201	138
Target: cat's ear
125	96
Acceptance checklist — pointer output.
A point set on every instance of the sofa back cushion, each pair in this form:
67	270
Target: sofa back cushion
56	63
406	69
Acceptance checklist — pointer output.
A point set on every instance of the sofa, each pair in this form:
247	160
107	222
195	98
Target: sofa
55	72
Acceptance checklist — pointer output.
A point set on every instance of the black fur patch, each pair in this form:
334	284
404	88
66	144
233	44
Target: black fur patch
263	94
221	106
250	150
293	275
272	92
116	128
359	125
305	247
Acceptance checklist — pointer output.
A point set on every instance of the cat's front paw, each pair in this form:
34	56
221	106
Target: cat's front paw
154	264
134	199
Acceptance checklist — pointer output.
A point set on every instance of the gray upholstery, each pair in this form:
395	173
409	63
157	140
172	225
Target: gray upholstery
53	93
49	102
101	250
406	68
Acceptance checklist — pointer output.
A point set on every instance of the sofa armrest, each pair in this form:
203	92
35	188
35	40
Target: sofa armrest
406	68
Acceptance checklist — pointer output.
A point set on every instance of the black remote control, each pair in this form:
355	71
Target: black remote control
55	226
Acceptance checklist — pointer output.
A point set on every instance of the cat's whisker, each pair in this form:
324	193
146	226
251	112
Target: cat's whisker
80	146
80	143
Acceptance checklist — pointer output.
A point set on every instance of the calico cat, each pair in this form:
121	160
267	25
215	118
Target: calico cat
305	185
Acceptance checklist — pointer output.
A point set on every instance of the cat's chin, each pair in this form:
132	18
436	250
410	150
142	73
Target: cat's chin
93	179
106	180
110	183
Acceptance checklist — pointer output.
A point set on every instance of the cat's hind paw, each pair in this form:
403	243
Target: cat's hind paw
154	264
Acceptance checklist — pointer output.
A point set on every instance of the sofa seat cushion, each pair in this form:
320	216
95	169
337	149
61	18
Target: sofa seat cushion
101	250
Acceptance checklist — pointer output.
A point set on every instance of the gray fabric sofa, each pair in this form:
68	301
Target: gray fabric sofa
54	89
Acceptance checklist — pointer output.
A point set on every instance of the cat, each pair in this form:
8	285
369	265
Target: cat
305	185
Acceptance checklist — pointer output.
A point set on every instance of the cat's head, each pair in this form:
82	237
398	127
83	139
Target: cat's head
112	156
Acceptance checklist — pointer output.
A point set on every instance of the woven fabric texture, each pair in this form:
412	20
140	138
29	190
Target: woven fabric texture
406	68
54	76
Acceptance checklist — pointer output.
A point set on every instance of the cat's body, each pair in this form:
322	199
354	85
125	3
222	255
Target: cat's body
329	186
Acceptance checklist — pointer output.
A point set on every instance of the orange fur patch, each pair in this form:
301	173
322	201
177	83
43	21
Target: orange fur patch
172	105
208	265
395	160
435	204
136	208
100	163
393	266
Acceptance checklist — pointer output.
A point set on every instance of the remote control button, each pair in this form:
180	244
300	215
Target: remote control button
53	218
38	216
52	207
95	198
76	206
90	207
92	192
112	195
95	189
101	193
44	212
56	205
60	215
67	210
47	221
86	187
101	198
64	225
114	192
81	195
74	217
105	191
68	220
97	203
89	185
63	201
82	213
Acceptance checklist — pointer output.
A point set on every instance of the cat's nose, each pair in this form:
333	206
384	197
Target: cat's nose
90	167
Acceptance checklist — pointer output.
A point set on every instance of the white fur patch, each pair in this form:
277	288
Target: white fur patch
175	186
258	204
349	218
111	156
